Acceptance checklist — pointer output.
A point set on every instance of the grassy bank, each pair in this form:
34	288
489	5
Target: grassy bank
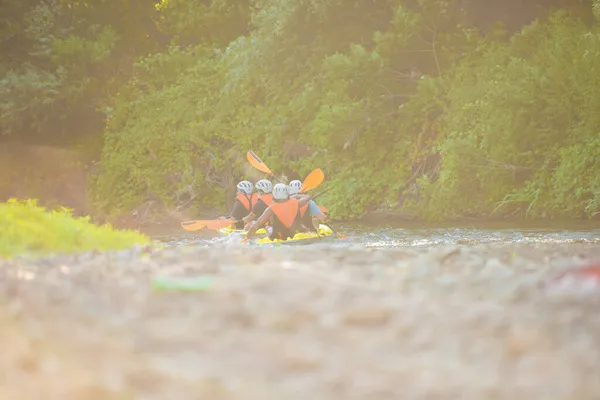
28	228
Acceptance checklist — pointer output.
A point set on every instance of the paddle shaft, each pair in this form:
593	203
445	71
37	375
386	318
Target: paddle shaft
318	194
339	235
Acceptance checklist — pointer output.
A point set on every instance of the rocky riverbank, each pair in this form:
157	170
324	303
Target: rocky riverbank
471	322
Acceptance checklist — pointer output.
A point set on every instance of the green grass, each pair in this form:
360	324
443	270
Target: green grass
27	228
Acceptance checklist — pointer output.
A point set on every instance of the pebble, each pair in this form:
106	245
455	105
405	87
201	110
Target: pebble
373	316
300	359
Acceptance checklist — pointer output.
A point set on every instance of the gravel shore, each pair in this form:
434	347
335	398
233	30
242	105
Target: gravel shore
469	322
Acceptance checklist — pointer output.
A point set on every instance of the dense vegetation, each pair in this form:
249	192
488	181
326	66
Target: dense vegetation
405	105
31	229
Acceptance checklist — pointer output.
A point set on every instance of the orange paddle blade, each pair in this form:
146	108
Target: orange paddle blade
314	179
323	209
209	224
258	163
192	225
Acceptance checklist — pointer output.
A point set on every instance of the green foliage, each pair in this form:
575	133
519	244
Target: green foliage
165	153
520	134
29	93
63	61
30	229
190	22
403	104
293	90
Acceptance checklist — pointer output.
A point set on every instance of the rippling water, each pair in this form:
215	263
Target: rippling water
414	234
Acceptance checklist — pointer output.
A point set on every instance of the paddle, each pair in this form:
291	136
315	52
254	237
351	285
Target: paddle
324	210
319	194
339	235
209	224
259	164
314	179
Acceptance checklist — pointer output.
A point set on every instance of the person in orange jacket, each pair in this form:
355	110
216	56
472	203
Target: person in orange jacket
245	199
264	189
284	214
309	210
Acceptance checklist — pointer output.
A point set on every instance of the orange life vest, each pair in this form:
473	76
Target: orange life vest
266	198
245	200
286	212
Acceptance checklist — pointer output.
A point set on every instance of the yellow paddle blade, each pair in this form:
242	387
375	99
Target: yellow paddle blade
314	179
209	224
258	163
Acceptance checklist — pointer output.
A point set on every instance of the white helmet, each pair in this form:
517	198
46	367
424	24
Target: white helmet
294	187
246	187
280	192
265	185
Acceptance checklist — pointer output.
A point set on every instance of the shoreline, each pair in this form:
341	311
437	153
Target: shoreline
166	224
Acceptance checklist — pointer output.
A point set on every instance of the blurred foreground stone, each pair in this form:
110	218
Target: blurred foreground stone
475	322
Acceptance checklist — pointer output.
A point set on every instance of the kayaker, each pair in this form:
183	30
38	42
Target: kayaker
243	203
284	214
264	189
309	210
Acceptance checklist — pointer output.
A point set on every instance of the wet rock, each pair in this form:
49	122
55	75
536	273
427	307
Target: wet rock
447	254
291	321
212	388
495	269
524	339
367	317
300	358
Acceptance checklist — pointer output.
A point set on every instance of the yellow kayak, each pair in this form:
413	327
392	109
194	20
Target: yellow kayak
229	230
301	238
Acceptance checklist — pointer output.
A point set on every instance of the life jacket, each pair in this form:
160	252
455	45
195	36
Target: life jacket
247	201
266	198
286	219
286	212
254	199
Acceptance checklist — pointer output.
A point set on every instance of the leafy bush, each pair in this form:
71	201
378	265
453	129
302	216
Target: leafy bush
300	95
63	61
520	132
399	104
30	229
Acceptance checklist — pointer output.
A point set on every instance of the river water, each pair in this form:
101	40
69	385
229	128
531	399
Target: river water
413	234
413	320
